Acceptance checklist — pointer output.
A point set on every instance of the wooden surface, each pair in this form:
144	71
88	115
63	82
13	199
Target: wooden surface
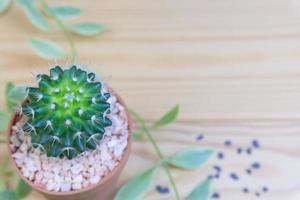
234	67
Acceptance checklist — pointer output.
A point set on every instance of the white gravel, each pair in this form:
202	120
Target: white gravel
63	175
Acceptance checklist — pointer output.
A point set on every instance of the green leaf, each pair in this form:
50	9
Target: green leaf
137	187
34	15
190	158
4	119
168	118
4	5
23	189
14	95
66	12
87	29
8	195
46	48
201	192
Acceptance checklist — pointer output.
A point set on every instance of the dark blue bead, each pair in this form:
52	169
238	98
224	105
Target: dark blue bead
239	150
246	190
234	176
162	190
249	171
220	156
215	195
158	188
265	189
249	151
257	194
166	190
256	165
217	168
255	144
200	137
227	143
217	176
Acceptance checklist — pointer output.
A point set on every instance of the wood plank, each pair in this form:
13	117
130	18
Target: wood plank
232	65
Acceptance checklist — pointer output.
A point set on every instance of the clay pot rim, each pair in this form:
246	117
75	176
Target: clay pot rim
91	187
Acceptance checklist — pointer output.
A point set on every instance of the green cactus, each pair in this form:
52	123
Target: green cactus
67	113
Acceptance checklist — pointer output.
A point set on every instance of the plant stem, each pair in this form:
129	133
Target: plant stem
146	130
62	26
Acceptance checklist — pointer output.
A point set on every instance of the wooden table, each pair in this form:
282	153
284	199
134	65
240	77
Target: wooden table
234	67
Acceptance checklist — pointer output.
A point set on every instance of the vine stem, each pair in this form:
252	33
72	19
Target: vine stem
62	26
146	130
2	141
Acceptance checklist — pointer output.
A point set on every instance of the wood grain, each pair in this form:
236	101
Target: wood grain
232	65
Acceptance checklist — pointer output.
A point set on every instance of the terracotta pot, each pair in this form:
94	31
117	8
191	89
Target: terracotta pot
104	190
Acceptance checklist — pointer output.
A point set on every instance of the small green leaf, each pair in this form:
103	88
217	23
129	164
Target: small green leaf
87	29
4	119
34	15
8	195
168	118
46	48
66	12
201	192
23	189
190	158
4	5
14	95
137	187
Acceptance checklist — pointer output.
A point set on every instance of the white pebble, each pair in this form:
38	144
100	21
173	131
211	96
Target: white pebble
56	169
76	169
118	152
78	179
66	165
95	179
51	185
76	186
39	176
48	175
65	187
112	143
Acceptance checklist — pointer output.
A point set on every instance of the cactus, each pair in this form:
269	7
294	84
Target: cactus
67	113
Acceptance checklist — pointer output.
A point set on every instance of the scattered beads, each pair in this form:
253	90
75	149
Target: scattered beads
242	150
